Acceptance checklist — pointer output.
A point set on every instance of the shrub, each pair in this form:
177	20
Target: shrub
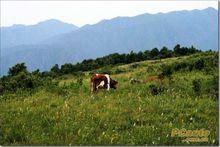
166	71
79	81
150	69
190	66
105	71
199	64
1	89
155	90
179	66
15	70
118	71
197	86
23	81
46	74
212	61
59	90
91	73
134	65
76	85
208	70
79	74
215	83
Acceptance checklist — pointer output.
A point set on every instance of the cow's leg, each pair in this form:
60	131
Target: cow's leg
101	84
108	81
94	87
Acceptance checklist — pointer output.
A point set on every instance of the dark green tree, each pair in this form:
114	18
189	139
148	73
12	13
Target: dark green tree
67	68
176	50
55	68
165	53
154	53
15	70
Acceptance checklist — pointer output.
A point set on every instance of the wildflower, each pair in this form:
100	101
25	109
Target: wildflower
170	124
66	104
139	108
213	141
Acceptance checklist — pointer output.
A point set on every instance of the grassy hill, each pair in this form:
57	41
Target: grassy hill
133	114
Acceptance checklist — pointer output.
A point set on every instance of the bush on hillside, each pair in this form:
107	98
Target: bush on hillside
118	71
1	89
197	86
15	70
79	81
105	70
150	69
133	66
21	81
180	66
166	71
155	90
215	82
190	66
79	74
213	86
199	64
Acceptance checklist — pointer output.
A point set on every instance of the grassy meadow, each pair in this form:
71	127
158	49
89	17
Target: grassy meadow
68	114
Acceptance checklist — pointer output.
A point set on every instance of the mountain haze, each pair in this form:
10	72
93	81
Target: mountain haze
121	34
31	34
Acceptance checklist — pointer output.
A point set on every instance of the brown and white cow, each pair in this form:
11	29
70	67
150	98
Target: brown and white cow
102	81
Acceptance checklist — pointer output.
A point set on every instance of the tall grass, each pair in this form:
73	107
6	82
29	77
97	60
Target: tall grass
67	114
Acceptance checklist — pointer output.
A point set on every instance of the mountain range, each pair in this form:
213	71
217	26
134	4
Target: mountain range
52	42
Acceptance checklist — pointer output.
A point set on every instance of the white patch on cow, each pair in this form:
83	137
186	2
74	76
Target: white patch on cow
101	84
108	83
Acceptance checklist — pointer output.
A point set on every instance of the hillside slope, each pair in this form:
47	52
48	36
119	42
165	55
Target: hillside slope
68	114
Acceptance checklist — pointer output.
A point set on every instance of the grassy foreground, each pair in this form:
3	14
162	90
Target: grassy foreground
131	115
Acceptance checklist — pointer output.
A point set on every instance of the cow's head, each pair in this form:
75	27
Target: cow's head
113	84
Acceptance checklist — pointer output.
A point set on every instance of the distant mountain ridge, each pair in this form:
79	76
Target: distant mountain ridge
31	34
121	34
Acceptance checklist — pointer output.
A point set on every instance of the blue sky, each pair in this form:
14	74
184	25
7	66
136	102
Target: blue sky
88	12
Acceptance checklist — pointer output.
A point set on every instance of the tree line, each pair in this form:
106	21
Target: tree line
114	59
20	78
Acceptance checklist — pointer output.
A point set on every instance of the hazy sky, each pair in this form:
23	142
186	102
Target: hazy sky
88	12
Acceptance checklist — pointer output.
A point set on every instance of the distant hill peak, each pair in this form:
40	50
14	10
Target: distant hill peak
53	22
45	22
31	34
210	8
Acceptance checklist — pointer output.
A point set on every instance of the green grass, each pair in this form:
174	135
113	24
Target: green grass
131	115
